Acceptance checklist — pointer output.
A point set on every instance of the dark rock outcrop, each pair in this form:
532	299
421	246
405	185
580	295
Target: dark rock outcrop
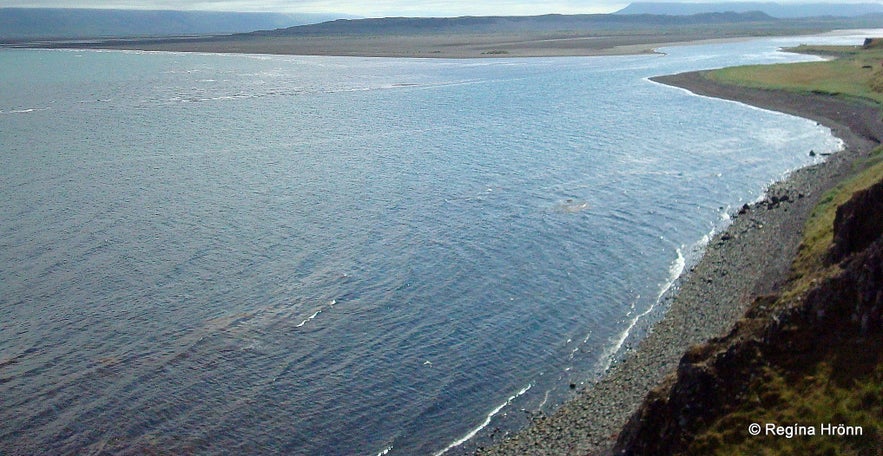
712	379
857	223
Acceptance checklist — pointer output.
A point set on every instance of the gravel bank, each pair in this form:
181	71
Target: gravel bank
752	257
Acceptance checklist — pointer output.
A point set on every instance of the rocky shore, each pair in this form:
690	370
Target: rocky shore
806	358
751	258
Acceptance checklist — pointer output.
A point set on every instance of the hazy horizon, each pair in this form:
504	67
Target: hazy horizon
374	9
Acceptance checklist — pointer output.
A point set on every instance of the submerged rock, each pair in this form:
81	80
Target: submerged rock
571	206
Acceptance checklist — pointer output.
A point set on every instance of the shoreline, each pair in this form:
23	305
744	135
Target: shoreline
752	257
442	46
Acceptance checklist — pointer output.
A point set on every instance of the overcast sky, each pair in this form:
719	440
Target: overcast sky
373	8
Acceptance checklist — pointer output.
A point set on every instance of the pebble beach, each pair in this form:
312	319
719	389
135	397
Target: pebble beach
751	258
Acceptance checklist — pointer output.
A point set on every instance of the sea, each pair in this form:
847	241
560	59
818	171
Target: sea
251	254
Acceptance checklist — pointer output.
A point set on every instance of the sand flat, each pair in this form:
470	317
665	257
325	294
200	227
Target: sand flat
443	45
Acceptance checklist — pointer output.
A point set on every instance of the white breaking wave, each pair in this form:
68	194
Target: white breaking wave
674	271
487	421
316	314
385	451
24	111
311	317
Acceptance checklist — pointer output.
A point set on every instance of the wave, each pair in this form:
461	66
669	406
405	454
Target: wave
198	99
273	90
485	423
674	272
838	141
24	110
310	318
578	346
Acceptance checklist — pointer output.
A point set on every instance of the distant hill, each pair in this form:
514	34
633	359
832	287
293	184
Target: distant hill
778	10
509	24
38	23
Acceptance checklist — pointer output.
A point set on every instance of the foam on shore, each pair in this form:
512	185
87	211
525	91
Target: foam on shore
485	423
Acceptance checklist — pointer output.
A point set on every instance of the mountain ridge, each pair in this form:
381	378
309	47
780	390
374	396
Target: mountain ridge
73	23
492	24
777	10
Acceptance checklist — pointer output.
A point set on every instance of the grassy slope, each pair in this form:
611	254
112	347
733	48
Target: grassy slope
818	232
842	383
854	73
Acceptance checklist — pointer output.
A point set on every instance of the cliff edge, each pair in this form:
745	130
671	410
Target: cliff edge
801	373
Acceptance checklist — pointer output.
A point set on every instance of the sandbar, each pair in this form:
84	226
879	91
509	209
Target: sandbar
442	45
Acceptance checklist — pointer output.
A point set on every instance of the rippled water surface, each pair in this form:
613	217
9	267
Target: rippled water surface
310	255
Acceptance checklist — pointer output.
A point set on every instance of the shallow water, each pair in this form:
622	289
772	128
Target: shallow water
316	255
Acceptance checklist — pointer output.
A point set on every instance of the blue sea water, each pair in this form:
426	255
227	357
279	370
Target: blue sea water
317	255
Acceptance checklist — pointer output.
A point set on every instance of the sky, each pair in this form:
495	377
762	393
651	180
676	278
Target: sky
375	8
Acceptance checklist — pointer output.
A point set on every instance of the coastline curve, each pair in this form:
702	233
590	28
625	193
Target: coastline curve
751	257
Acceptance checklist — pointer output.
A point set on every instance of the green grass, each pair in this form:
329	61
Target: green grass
833	384
818	233
839	380
817	396
856	73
